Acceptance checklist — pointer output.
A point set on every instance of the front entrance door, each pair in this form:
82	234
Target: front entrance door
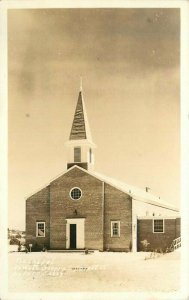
73	234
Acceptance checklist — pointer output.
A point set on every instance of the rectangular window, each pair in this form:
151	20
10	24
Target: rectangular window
115	228
77	154
158	225
90	155
40	229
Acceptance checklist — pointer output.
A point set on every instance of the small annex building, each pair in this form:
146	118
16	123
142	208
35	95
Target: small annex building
82	209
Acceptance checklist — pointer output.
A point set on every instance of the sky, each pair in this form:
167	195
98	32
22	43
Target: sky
129	60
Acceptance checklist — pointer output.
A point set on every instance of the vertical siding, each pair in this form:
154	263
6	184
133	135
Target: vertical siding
142	209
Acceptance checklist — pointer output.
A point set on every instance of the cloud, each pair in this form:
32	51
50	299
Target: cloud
146	38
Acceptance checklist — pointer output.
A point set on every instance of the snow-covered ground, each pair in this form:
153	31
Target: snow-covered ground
96	272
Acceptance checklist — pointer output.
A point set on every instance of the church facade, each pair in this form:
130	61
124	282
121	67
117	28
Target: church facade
82	209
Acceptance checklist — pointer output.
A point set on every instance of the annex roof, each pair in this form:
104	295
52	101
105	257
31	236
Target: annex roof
135	192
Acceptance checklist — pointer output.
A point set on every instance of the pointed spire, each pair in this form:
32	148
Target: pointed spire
80	127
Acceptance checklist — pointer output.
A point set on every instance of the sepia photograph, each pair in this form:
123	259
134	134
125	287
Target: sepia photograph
94	153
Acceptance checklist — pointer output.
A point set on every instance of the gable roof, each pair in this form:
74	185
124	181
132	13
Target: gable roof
80	127
134	192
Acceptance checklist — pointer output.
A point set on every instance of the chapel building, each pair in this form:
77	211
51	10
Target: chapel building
82	209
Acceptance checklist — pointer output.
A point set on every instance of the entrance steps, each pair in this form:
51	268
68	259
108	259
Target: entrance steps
176	244
71	251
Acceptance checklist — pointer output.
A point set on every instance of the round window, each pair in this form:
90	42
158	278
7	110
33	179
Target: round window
75	193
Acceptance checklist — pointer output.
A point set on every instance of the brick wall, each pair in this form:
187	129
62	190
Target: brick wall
53	205
178	228
118	207
99	205
90	207
83	165
157	240
37	209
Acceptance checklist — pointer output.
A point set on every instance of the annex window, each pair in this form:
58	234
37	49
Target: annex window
40	229
115	228
158	225
75	193
77	154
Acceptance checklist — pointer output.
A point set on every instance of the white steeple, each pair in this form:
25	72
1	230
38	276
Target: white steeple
80	145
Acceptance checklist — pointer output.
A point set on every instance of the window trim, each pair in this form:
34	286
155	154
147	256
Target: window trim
75	187
163	225
119	233
37	223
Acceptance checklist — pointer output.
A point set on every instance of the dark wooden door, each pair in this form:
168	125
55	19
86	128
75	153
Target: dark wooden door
73	234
